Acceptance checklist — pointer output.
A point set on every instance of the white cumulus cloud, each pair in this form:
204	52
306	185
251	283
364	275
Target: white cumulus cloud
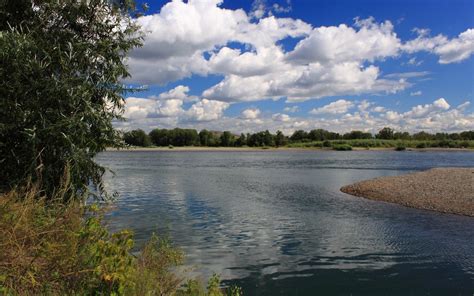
247	50
177	38
206	110
437	116
170	105
449	50
367	42
281	117
200	37
251	113
180	92
292	109
337	107
378	109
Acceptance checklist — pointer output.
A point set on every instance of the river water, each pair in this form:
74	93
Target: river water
275	222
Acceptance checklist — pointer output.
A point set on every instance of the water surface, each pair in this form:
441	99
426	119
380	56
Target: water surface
275	222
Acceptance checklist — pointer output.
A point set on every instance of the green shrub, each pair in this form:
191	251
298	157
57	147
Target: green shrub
137	138
443	143
327	143
342	147
400	148
194	288
52	248
421	145
316	144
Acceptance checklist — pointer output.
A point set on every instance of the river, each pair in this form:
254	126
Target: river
275	222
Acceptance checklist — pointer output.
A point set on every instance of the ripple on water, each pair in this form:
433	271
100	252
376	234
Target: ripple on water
276	223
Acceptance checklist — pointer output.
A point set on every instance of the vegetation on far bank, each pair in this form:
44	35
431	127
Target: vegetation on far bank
376	143
318	138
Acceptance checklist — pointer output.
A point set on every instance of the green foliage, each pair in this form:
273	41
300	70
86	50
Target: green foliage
401	136
421	145
467	135
261	139
422	136
280	139
386	133
206	138
321	135
342	147
400	147
234	291
137	138
194	288
327	143
176	137
52	248
376	143
299	135
241	141
316	144
317	138
357	135
154	265
56	248
62	63
159	137
227	139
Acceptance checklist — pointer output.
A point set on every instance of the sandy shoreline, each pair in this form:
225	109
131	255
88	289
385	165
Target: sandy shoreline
446	190
256	149
204	149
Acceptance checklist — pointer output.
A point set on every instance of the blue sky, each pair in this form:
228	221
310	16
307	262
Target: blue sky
335	64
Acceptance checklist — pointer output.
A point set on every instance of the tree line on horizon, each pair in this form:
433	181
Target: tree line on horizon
191	137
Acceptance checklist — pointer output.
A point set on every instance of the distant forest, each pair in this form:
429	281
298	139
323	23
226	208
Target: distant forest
300	138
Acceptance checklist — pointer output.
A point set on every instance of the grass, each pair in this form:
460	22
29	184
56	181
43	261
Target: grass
51	248
315	144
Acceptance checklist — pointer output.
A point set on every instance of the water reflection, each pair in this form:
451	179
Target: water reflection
276	222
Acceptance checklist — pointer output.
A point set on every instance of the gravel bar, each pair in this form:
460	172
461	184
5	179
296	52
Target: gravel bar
446	190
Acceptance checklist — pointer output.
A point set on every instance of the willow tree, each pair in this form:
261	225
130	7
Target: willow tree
62	63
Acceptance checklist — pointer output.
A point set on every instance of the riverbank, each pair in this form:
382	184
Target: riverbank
254	149
446	190
67	249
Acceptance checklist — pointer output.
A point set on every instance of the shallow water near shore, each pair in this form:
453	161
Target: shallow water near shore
275	222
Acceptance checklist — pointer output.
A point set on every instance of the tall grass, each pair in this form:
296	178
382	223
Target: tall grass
51	248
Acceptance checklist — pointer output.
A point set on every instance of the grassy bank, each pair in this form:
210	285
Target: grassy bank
377	143
52	248
340	145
